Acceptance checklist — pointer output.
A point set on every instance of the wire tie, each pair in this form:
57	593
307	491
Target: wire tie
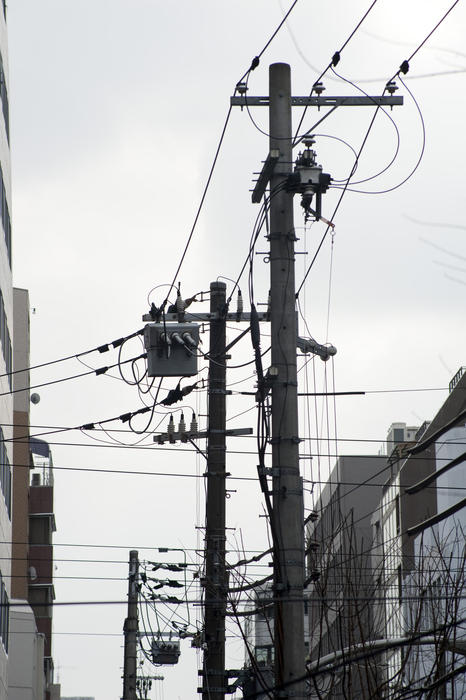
404	68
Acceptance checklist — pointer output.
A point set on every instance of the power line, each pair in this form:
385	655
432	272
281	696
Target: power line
432	31
255	61
201	203
99	348
97	372
334	62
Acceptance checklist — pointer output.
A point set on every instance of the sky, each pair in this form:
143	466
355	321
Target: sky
116	112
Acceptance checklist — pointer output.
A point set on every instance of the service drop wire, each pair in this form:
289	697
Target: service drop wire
420	157
388	115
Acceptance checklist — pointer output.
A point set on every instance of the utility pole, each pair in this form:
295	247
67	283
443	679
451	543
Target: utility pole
288	509
287	519
214	678
130	630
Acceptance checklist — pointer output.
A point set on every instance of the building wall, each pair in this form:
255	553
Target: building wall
26	672
6	328
339	541
408	569
21	455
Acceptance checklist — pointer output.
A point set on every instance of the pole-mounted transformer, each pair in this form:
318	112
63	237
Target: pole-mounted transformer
171	349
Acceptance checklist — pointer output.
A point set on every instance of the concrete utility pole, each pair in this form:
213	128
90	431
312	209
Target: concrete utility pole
130	630
214	678
288	509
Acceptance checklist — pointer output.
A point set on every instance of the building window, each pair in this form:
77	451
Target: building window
4	614
5	473
4	97
5	216
40	528
397	514
5	340
400	585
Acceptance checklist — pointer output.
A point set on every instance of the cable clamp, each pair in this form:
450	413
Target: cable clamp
290	236
295	439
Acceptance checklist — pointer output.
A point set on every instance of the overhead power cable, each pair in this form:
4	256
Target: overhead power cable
333	63
201	203
404	68
138	472
97	372
172	397
405	65
256	60
254	63
100	348
344	189
128	547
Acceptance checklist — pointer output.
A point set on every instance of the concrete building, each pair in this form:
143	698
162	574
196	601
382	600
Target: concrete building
338	554
259	630
6	356
30	654
418	555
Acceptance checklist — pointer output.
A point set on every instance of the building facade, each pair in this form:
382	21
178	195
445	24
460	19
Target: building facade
338	546
259	673
6	357
33	523
419	558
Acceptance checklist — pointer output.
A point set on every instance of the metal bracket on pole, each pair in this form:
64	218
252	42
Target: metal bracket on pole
265	175
186	436
203	316
322	101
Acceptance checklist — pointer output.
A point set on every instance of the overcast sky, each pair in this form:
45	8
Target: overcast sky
116	111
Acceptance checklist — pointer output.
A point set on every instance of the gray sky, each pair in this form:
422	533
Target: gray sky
116	110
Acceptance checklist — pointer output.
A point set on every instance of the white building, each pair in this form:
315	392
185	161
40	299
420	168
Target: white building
6	355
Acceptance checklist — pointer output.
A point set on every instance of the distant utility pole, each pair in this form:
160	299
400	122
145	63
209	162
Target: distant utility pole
288	509
214	677
130	630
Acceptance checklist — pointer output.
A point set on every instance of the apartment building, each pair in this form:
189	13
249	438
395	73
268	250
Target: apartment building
6	357
33	524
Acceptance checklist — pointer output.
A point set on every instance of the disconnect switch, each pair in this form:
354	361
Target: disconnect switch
171	349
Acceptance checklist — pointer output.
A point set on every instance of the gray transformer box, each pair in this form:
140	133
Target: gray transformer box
165	653
171	349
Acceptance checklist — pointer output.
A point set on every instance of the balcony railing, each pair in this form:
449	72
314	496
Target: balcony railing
456	378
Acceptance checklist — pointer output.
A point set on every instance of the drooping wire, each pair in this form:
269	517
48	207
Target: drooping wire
418	162
344	188
388	115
